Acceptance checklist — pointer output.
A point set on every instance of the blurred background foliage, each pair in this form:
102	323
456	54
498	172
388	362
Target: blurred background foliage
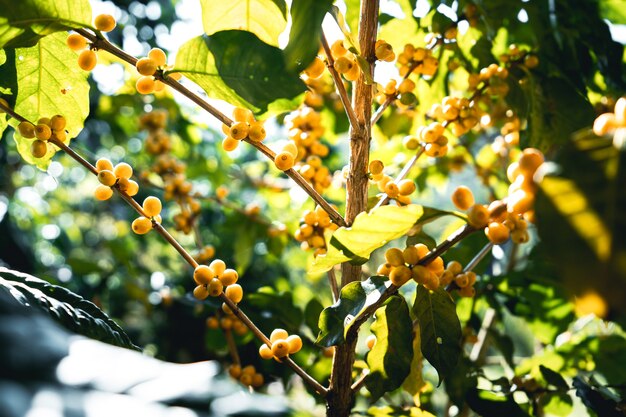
52	227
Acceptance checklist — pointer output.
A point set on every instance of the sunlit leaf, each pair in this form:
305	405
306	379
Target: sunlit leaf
305	32
414	383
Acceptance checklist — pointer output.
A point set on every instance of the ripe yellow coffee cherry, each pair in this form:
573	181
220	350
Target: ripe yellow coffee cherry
256	132
406	187
234	292
278	334
104	22
123	170
620	111
215	287
454	267
141	225
87	60
200	292
343	64
468	291
420	274
123	184
104	163
400	275
39	148
43	132
213	323
218	266
229	277
152	206
280	348
145	85
58	122
530	160
520	236
26	129
239	130
462	197
203	274
242	115
158	56
257	380
230	144
146	66
295	343
392	189
497	233
132	188
315	69
107	178
103	192
376	167
436	265
234	370
265	352
337	49
384	269
370	341
462	280
394	257
284	160
76	42
411	255
478	216
158	85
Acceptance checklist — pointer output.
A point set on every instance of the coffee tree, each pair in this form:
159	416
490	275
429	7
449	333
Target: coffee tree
414	208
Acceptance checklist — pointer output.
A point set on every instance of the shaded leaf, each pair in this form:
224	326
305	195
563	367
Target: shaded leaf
440	329
312	313
368	232
280	305
553	378
414	383
488	404
236	66
594	400
66	308
390	358
335	320
305	32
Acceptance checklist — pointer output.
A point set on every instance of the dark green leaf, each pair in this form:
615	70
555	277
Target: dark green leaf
312	313
423	238
614	11
66	308
280	305
335	320
236	66
594	400
390	358
553	378
487	404
440	329
430	213
305	33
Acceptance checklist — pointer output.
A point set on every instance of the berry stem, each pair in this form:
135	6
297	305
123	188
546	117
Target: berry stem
232	347
341	88
402	175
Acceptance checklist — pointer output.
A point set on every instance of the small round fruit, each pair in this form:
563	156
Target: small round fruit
200	292
146	66
257	380
284	160
468	291
265	352
295	343
39	148
370	341
87	60
213	323
229	277
234	370
315	68
376	167
58	122
218	266
104	163
234	292
530	160
141	225
478	216
406	187
411	255
203	274
132	188
215	287
230	144
145	84
394	257
454	267
280	348
26	129
278	334
123	170
497	233
242	115
104	22
462	280
462	197
400	275
107	178
103	192
152	206
76	42
256	132
239	130
158	56
43	132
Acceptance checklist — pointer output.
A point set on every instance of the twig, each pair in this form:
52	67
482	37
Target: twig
101	43
379	111
402	175
478	257
341	88
332	280
360	381
232	347
478	348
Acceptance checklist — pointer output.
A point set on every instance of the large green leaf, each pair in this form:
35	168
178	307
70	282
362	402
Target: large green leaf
440	329
264	18
368	232
66	308
305	32
46	81
236	66
486	403
414	383
614	11
390	358
23	23
355	297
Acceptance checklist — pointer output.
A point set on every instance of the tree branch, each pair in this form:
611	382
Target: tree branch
402	175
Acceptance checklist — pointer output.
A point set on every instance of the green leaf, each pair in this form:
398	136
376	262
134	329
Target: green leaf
3	124
48	82
335	320
312	313
236	66
63	306
487	404
553	378
368	232
23	23
264	18
414	383
594	400
440	329
279	305
305	33
614	11
430	213
390	358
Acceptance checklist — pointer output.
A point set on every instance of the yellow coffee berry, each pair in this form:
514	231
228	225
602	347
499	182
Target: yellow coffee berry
478	216
58	122
218	266
343	64
87	60
145	85
280	348
213	323
497	233
468	291
436	265
39	148
76	42
530	160
257	380
123	184
104	163
462	197
203	274
104	22
107	178
158	56
200	292
141	225
26	129
146	66
420	274
295	343
234	292
292	148
239	130
454	267
43	132
123	170
242	115
315	68
406	187
152	206
265	352
215	287
411	255
520	236
376	167
278	334
394	257
256	132
230	144
103	192
132	188
400	275
370	341
462	280
284	160
392	189
229	277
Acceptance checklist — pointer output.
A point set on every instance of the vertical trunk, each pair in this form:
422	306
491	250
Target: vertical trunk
340	398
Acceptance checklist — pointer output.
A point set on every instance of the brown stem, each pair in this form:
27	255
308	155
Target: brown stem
332	281
341	88
232	347
402	175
